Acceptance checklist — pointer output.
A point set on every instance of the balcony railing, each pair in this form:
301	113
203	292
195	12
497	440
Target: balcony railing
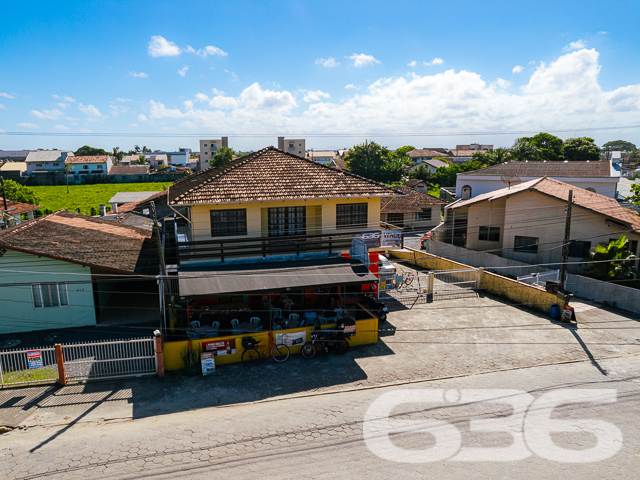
223	250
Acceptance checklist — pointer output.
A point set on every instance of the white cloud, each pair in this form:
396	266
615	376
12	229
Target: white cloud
362	59
327	62
215	91
602	32
48	114
350	86
138	75
502	83
209	50
67	98
89	110
557	95
142	117
6	95
188	104
2	107
27	125
161	47
201	97
61	128
123	100
517	69
315	96
577	45
133	124
117	110
435	61
234	77
183	71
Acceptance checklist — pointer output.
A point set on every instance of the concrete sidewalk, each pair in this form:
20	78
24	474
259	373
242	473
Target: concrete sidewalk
450	338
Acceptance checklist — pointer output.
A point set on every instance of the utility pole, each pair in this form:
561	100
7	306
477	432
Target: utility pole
163	266
565	244
4	196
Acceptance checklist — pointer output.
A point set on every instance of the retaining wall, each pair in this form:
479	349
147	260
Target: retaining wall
619	296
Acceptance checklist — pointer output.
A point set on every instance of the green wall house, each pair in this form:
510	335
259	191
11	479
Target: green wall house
59	271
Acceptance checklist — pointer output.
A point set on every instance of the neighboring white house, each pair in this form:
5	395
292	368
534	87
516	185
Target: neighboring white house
47	161
89	165
598	177
321	156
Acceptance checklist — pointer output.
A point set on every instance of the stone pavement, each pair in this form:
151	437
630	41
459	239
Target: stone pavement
450	338
321	436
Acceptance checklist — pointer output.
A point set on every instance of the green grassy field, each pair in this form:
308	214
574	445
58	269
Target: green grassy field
55	198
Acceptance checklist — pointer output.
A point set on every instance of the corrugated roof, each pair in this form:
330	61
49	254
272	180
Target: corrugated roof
129	170
595	202
47	156
88	159
547	169
271	174
410	201
88	241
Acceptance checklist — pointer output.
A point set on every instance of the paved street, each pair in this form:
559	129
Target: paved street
304	418
321	436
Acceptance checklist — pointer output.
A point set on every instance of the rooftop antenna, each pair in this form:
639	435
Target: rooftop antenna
511	180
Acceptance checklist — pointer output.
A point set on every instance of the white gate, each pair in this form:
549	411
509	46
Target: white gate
424	287
28	366
110	359
540	279
448	282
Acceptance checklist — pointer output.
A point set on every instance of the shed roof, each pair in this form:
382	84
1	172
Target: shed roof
410	201
129	170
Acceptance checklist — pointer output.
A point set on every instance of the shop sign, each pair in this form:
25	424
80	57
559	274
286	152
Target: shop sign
291	339
371	238
390	238
220	347
208	363
34	358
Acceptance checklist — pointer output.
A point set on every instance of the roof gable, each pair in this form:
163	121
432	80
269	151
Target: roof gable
271	174
410	201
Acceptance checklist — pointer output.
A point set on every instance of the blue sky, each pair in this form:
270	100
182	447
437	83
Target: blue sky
424	73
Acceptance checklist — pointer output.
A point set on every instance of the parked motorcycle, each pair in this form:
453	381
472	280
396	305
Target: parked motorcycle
326	341
377	307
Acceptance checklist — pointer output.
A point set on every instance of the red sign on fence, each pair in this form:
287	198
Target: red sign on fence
220	347
34	358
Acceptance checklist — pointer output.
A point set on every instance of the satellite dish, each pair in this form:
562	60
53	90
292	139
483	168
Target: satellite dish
511	180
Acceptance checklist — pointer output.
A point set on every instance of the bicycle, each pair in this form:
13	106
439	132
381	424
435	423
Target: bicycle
407	280
279	352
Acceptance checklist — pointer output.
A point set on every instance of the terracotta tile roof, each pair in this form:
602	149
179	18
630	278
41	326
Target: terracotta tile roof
88	241
463	153
554	188
547	169
19	207
410	201
412	182
340	164
129	170
88	159
417	153
271	174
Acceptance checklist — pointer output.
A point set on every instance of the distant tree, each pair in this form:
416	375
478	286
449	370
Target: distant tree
145	149
224	155
140	161
117	154
549	145
89	151
19	193
580	149
375	162
136	149
422	172
402	151
635	196
620	145
492	157
524	151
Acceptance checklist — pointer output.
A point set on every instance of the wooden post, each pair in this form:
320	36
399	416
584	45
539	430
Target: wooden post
565	244
62	376
159	353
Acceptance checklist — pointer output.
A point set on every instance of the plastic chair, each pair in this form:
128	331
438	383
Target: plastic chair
323	320
255	320
277	327
192	335
276	313
259	329
235	324
294	316
339	313
215	324
195	324
302	323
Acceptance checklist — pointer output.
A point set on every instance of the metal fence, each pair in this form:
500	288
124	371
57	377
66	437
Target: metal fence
28	366
435	284
455	281
118	358
539	279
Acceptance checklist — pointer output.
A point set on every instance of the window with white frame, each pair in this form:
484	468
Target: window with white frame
49	295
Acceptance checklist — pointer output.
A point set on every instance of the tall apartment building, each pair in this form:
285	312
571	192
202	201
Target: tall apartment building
475	146
297	146
208	148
